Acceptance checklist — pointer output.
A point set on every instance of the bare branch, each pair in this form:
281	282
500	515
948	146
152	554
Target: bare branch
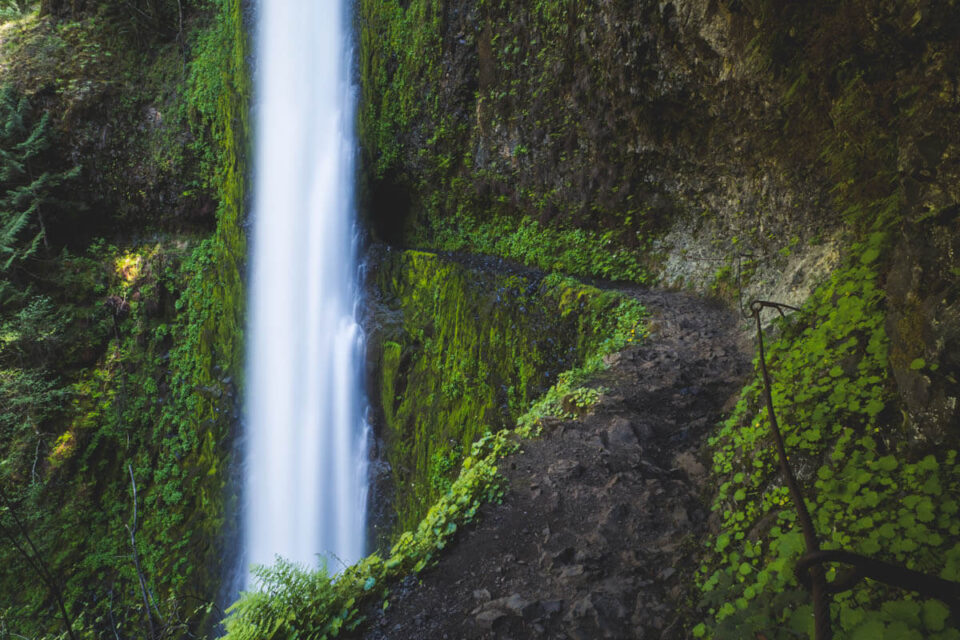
34	559
136	557
36	457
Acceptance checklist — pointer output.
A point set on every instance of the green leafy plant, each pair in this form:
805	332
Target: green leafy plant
872	492
574	252
604	322
11	9
28	189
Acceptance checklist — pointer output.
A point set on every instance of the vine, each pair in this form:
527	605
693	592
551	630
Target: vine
876	492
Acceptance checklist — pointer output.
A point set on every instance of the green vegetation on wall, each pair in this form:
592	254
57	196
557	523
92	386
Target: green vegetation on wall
472	351
866	96
28	195
120	360
206	358
572	251
484	153
438	300
872	486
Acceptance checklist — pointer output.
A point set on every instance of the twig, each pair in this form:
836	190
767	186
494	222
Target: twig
864	567
113	623
36	457
136	557
180	39
35	561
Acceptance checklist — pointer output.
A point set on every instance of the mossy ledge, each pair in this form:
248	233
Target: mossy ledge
462	350
427	334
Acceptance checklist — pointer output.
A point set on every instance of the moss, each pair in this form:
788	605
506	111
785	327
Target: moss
148	337
474	350
389	367
110	389
207	357
910	333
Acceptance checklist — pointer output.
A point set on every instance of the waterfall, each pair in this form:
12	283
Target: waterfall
306	435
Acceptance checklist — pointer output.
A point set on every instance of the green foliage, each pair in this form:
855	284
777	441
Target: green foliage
12	9
442	464
404	37
295	602
473	352
206	357
67	438
27	190
148	21
119	107
873	491
572	251
219	70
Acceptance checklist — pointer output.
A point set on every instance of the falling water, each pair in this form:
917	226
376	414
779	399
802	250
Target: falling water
305	491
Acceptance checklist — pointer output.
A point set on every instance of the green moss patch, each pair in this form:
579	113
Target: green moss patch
472	352
438	299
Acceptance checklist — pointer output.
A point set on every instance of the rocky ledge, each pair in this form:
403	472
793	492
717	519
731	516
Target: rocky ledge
600	529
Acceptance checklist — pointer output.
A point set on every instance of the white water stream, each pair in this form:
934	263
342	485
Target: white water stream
306	437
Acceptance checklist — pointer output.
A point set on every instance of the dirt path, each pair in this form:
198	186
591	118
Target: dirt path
600	528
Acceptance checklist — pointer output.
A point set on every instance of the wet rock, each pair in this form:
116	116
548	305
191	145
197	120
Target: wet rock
612	521
518	606
620	435
488	618
489	614
572	571
688	464
564	469
680	517
582	608
551	607
612	359
549	423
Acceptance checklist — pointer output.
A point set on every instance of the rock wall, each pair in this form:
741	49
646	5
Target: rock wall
463	348
730	146
799	152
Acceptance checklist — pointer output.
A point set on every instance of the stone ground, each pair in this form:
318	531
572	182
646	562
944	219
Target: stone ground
604	516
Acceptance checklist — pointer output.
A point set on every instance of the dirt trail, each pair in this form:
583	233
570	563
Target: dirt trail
604	516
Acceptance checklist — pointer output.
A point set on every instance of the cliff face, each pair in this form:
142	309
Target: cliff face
804	153
733	146
464	348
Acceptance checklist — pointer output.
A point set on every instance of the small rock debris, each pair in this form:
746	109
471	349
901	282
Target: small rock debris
599	531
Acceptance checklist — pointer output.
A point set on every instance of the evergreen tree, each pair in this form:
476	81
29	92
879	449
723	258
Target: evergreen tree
28	189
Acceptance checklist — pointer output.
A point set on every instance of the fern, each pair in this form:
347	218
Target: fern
26	191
